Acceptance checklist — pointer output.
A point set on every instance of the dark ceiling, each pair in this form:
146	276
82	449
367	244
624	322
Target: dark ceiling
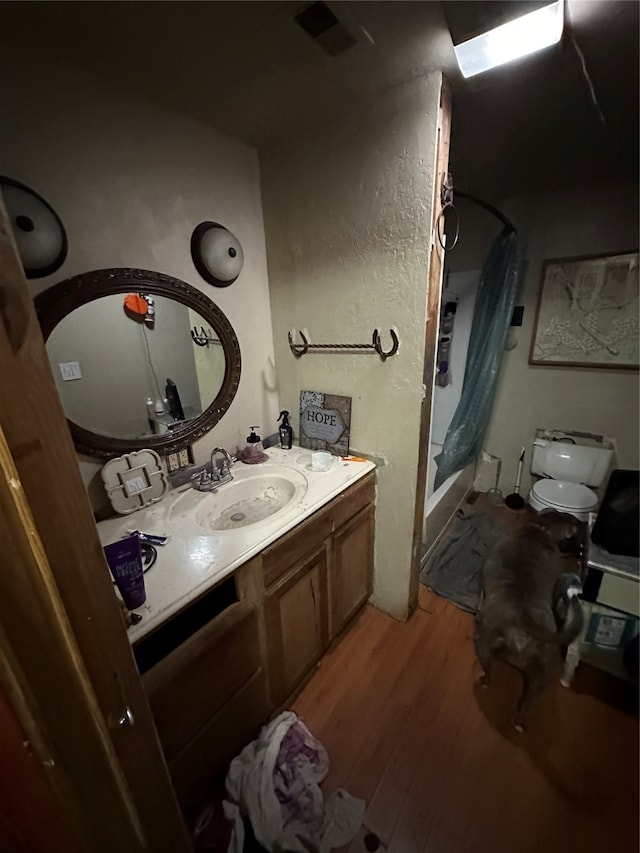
563	116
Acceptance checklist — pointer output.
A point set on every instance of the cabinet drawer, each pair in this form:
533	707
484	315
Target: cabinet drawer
619	592
291	548
190	685
353	500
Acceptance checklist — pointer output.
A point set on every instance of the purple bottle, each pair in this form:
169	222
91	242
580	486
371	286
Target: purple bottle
125	562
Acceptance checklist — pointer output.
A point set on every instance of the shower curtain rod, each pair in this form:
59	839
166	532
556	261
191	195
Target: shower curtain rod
489	207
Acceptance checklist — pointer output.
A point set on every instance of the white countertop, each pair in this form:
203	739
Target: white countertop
193	561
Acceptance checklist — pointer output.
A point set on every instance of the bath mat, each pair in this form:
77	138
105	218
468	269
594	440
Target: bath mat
453	569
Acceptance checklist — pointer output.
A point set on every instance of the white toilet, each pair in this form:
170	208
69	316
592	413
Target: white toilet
567	470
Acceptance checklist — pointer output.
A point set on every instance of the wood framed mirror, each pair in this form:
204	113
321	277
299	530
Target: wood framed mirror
108	362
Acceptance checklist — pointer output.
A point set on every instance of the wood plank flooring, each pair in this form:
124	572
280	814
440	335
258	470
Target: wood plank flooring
437	760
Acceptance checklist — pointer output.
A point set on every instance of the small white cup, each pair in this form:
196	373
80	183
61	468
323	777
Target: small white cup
320	460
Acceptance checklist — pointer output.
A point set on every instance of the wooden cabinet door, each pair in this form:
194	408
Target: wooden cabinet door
350	576
296	622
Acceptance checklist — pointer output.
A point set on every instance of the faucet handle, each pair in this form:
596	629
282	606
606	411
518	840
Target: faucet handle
203	478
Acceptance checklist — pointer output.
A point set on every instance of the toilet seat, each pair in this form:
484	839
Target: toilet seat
573	498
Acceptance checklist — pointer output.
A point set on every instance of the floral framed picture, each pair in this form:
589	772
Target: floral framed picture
587	313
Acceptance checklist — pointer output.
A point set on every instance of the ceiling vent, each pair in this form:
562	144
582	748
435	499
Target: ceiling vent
321	24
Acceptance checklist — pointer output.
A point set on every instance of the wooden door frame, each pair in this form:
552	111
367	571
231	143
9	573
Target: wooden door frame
66	663
434	297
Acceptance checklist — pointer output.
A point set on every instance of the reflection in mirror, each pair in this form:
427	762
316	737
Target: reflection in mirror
139	359
123	367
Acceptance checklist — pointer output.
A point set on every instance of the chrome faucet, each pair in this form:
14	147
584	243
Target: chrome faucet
204	482
208	481
221	473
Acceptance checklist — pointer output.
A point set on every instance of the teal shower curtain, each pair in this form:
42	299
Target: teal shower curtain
491	320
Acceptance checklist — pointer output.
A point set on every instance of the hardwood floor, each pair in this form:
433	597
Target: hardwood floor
437	760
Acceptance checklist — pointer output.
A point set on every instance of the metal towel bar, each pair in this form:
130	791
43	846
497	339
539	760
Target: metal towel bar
301	349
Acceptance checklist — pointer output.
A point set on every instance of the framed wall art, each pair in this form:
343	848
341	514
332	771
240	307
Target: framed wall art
587	314
325	422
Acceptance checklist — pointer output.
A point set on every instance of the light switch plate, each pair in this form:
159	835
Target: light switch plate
70	370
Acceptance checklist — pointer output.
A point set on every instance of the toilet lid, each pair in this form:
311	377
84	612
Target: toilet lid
571	496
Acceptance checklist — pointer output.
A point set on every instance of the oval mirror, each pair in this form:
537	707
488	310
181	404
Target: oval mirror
140	360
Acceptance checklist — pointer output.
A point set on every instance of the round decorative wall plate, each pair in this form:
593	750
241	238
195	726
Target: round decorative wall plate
217	254
38	231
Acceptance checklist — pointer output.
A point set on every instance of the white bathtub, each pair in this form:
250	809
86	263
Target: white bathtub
442	504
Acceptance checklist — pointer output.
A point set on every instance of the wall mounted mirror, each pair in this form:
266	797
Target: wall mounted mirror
109	362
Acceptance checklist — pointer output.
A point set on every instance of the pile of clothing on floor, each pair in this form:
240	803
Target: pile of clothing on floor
274	787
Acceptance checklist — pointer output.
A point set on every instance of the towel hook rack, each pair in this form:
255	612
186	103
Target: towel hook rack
202	338
302	349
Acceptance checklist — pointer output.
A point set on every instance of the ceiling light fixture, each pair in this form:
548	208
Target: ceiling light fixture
510	41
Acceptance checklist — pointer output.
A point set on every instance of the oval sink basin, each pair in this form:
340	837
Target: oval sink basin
243	501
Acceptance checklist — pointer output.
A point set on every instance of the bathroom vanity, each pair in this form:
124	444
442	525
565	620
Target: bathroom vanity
236	619
259	576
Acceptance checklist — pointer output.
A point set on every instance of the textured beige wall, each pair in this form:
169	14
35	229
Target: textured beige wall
347	220
209	364
131	181
585	220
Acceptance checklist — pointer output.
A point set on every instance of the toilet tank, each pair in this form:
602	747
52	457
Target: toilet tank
573	463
